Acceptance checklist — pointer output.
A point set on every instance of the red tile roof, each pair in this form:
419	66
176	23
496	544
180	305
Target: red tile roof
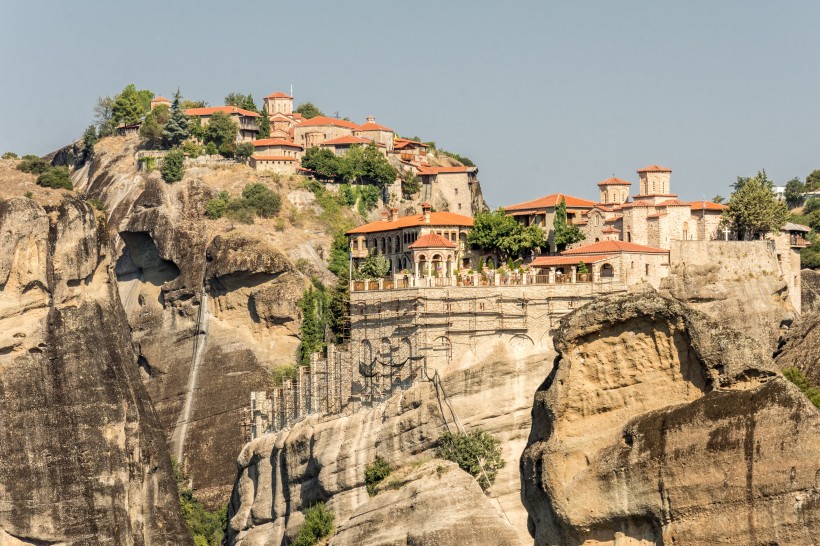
160	99
547	261
673	203
610	230
275	142
433	240
614	182
655	216
614	219
213	109
655	169
273	158
444	170
707	205
347	139
373	127
613	247
403	142
551	201
436	219
278	95
637	204
324	120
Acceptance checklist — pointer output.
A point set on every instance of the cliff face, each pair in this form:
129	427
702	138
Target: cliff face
323	458
659	425
798	347
810	280
82	455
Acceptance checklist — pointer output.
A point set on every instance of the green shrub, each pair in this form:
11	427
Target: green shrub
582	268
318	524
347	195
33	164
98	204
9	155
28	195
191	149
244	150
239	211
282	372
802	382
172	168
205	526
262	199
375	473
216	208
472	451
369	197
55	177
211	149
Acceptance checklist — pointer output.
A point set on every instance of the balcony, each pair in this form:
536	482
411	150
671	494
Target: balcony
796	241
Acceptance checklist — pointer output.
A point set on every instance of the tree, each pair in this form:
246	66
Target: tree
410	184
813	181
375	266
718	199
173	168
130	105
761	177
90	138
477	453
376	168
241	101
564	233
176	129
502	234
314	309
103	111
264	124
153	128
794	192
33	165
244	150
321	160
9	155
221	130
753	210
308	110
55	177
262	199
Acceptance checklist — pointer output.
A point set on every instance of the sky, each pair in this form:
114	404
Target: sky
543	96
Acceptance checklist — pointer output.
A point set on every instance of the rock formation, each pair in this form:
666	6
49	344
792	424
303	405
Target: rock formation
435	503
82	455
810	280
658	425
799	347
323	458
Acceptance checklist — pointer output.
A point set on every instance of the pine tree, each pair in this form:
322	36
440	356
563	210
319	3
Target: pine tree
564	233
264	124
176	130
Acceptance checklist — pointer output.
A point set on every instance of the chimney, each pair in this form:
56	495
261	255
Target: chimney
425	210
371	119
384	216
394	214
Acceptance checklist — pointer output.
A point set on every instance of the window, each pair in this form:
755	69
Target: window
459	206
456	190
647	269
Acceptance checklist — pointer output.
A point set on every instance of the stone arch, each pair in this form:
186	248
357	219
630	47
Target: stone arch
442	344
607	271
521	341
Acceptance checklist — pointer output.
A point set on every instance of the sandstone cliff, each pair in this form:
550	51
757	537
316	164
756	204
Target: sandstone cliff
800	347
82	455
811	290
658	425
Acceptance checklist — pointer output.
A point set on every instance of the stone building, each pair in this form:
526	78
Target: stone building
279	107
279	164
379	134
432	244
340	146
314	131
277	147
454	186
541	212
245	119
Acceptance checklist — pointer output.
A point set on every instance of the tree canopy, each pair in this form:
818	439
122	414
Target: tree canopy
308	110
502	234
564	233
753	208
176	130
794	192
173	166
241	101
264	124
813	180
130	105
364	164
222	131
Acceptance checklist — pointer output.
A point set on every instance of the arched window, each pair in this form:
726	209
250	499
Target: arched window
607	271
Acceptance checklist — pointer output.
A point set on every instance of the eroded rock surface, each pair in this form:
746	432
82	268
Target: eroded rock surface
660	426
82	455
810	281
435	504
800	347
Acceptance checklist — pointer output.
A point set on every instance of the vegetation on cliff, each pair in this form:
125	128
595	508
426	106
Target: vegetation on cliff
318	525
361	164
256	200
753	209
375	473
477	453
802	382
206	527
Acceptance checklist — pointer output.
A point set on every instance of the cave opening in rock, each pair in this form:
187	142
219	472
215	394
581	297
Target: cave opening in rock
140	259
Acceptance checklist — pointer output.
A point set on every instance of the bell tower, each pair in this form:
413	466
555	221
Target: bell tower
614	191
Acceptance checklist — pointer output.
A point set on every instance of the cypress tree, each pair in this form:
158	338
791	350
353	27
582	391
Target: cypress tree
264	124
176	130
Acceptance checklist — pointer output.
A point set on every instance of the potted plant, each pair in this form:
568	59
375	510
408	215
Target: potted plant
583	272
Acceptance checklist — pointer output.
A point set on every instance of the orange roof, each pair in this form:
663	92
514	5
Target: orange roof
610	230
160	99
655	169
278	95
614	219
275	142
707	205
213	109
404	142
272	158
614	182
552	200
373	127
433	240
324	120
655	216
444	170
546	261
613	246
348	139
638	204
436	219
672	203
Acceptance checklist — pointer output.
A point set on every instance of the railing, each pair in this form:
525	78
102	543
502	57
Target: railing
475	280
796	240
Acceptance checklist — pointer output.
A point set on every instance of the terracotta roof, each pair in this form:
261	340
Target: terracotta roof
324	120
604	207
348	139
278	95
160	99
707	205
655	216
637	204
546	261
614	219
655	169
613	246
673	203
433	240
272	158
213	109
275	142
614	182
373	127
550	201
655	195
436	219
444	170
610	230
403	142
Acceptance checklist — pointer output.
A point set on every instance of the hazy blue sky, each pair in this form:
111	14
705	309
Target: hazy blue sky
543	96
